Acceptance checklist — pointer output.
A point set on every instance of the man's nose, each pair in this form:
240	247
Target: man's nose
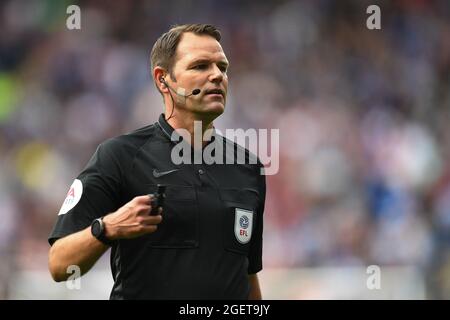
216	75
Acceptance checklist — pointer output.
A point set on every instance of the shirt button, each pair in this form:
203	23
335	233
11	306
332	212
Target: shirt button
201	171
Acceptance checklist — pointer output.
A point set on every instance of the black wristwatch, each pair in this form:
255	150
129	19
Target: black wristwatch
98	231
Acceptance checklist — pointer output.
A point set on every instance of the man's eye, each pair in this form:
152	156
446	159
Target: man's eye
200	66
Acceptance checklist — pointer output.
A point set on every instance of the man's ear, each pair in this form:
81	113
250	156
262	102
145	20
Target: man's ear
159	76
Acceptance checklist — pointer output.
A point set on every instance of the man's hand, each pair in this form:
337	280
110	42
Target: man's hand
132	220
82	249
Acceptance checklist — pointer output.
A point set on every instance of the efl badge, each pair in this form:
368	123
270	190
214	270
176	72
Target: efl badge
243	224
72	198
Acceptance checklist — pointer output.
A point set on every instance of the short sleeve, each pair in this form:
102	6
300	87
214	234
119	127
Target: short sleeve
93	194
256	246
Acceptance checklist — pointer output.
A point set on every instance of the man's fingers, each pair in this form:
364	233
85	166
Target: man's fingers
148	229
145	199
144	209
152	220
143	205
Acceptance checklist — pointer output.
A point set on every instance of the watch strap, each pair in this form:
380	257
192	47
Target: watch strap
102	237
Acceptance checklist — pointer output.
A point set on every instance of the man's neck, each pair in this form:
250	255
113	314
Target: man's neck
192	125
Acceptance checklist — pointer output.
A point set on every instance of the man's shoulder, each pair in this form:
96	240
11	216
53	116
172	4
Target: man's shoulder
239	150
133	140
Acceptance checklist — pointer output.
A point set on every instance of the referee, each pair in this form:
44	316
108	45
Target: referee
205	241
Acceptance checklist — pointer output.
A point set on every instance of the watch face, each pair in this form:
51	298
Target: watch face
96	228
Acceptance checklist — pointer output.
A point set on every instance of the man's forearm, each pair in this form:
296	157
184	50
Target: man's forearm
80	249
83	249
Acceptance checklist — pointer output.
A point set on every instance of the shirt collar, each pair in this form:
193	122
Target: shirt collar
170	132
167	128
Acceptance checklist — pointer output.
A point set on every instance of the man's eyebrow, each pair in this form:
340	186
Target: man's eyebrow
203	60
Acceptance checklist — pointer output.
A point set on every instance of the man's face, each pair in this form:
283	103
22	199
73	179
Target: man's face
201	63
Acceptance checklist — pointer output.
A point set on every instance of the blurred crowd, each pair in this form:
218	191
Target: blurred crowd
363	117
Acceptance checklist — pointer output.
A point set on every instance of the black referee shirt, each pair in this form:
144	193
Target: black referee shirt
210	238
